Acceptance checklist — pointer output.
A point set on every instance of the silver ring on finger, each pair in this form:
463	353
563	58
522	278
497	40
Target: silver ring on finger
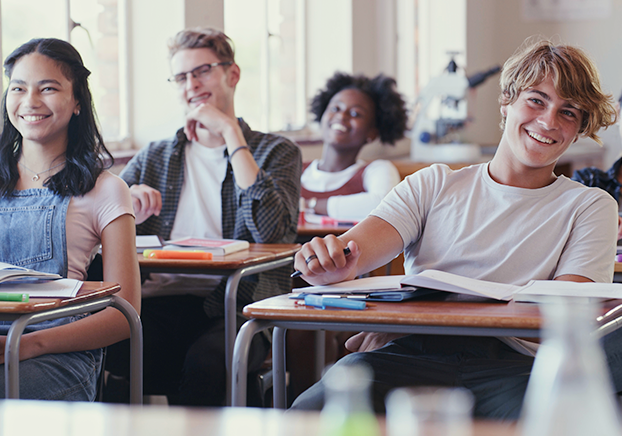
310	258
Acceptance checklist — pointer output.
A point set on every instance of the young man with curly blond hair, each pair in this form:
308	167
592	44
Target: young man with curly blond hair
510	220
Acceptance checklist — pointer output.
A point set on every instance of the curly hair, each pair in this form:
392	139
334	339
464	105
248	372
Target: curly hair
390	108
574	75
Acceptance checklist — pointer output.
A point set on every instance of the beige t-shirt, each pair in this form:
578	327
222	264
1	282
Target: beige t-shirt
88	216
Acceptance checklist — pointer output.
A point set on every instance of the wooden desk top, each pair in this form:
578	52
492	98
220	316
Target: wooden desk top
449	313
256	254
88	291
430	313
617	267
311	230
63	418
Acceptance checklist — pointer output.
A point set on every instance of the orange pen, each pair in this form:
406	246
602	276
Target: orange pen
171	254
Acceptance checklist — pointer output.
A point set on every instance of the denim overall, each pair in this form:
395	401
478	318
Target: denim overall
33	235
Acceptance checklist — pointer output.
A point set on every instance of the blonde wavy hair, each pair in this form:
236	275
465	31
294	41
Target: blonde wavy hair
574	75
203	37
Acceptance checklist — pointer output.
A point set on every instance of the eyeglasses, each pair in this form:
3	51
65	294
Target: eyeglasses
198	73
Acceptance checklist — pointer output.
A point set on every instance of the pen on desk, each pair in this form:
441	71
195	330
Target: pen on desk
10	296
172	254
297	273
330	302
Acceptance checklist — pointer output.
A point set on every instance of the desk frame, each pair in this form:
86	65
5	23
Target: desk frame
22	320
231	293
254	326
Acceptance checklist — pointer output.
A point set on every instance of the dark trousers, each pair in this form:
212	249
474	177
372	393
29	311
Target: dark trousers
184	352
496	374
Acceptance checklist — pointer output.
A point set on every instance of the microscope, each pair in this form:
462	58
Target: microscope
433	137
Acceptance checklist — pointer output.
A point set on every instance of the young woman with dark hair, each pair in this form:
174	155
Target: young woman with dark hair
57	205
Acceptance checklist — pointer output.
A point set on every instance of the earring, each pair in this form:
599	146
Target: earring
77	112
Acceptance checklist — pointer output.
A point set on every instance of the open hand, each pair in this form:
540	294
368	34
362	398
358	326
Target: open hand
146	201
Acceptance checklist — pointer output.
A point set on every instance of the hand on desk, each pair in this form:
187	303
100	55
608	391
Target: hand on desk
322	261
365	341
146	201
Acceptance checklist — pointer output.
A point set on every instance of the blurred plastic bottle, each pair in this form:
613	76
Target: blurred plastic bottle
570	391
347	410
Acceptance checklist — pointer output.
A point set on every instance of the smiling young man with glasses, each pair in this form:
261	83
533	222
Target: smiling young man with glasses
215	179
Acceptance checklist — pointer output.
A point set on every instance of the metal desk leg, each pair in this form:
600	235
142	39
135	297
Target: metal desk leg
136	341
278	368
11	354
320	353
136	348
240	359
231	293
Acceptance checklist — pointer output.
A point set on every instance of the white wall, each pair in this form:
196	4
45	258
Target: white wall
155	109
496	28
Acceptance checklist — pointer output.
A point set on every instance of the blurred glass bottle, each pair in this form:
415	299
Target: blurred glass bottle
347	409
570	390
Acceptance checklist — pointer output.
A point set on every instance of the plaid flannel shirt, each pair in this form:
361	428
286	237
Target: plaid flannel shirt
266	212
600	179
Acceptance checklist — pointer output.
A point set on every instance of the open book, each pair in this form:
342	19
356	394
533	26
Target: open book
10	272
17	279
422	283
216	246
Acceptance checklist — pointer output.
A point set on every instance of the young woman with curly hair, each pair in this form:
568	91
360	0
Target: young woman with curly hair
353	111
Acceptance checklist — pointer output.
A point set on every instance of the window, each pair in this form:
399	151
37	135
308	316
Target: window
96	29
269	45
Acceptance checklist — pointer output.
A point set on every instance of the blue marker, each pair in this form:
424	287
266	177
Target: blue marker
328	302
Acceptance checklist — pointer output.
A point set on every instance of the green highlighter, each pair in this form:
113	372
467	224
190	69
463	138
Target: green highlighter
12	296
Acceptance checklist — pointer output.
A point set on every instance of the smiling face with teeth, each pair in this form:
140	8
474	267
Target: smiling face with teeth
216	88
40	101
349	120
539	127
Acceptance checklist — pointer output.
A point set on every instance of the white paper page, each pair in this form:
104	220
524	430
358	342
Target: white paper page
365	284
63	288
10	272
146	241
543	288
8	266
445	281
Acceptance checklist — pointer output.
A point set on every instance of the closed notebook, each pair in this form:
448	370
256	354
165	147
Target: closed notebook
391	295
216	246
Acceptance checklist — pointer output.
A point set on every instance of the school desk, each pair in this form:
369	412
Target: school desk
457	315
56	418
308	231
91	297
258	258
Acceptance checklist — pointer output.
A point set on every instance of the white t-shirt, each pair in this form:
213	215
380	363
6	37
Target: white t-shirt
199	214
88	216
379	178
199	211
465	223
